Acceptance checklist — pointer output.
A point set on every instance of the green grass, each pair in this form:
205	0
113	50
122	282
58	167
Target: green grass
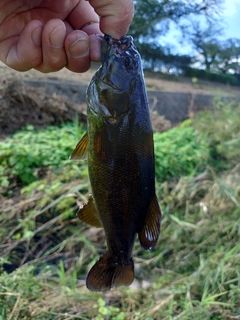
179	152
28	150
192	274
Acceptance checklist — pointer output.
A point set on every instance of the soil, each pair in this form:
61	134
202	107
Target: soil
45	99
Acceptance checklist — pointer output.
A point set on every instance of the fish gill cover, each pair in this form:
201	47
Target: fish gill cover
119	148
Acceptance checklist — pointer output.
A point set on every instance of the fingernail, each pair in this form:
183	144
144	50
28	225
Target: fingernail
37	36
57	37
79	48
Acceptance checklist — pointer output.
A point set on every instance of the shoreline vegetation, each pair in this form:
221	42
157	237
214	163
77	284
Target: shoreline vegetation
46	251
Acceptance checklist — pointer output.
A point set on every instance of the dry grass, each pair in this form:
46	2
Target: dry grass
192	274
194	269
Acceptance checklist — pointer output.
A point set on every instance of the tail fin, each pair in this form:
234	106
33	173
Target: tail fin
106	274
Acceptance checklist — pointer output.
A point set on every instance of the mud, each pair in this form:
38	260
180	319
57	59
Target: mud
45	101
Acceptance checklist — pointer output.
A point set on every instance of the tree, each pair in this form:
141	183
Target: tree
152	17
152	54
228	58
205	43
159	58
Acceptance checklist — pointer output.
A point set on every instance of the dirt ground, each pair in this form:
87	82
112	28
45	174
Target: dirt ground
153	81
44	99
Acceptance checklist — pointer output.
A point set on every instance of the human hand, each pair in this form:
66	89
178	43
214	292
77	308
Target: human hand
48	35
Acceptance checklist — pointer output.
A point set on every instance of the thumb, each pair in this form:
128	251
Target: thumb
115	16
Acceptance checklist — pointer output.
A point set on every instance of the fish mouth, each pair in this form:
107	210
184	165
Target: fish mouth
119	46
123	43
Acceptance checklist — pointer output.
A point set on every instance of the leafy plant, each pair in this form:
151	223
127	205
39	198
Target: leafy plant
221	128
180	151
109	311
27	152
211	76
193	271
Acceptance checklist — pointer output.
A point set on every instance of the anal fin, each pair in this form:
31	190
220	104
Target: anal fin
89	215
148	236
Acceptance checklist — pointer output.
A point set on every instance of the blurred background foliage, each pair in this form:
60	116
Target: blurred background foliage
201	29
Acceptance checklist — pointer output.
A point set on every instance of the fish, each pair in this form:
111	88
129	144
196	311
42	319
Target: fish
119	147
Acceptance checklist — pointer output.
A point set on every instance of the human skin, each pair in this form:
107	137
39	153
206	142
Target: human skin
48	35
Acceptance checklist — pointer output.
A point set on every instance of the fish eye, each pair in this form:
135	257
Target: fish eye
129	63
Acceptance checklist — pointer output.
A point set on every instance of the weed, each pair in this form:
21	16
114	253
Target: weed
193	273
179	152
222	130
25	155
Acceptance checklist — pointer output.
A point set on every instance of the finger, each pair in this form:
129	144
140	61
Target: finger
116	16
92	29
95	47
23	52
54	56
81	48
77	50
82	14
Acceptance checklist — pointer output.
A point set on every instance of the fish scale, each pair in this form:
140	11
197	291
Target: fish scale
120	153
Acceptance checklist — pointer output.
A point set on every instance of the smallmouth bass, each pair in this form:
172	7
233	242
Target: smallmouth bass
120	153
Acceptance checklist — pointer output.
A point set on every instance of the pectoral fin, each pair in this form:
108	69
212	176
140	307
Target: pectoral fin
148	236
102	146
81	150
89	215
